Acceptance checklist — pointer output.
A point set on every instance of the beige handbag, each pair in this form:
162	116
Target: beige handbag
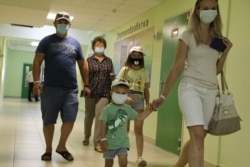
225	119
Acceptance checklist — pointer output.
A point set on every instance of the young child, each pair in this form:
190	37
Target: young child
137	76
114	118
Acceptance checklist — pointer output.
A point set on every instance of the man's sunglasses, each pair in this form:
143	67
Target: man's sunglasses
62	15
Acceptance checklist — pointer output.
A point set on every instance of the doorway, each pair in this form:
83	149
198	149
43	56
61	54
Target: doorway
25	85
169	122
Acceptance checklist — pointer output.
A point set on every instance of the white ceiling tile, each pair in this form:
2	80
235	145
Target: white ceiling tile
89	15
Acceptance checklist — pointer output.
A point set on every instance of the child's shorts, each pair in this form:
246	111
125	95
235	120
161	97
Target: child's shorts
138	97
110	154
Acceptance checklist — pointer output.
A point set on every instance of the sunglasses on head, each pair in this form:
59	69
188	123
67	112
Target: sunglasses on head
122	80
62	15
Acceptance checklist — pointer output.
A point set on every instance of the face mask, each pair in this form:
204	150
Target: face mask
99	51
119	98
136	61
208	16
62	28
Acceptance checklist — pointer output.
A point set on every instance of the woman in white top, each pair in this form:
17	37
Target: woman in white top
198	87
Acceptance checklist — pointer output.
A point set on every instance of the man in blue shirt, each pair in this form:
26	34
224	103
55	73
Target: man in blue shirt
60	52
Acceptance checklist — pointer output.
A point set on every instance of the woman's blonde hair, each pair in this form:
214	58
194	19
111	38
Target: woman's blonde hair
194	23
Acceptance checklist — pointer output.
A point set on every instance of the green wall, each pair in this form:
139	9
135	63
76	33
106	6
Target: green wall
1	63
235	148
13	72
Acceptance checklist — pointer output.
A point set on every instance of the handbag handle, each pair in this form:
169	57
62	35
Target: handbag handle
224	85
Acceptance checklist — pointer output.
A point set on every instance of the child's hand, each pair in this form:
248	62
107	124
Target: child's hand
104	145
156	103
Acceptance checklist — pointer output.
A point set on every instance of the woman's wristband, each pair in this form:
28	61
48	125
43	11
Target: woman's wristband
86	86
163	97
36	81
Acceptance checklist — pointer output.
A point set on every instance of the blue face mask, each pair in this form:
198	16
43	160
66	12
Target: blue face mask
99	51
62	28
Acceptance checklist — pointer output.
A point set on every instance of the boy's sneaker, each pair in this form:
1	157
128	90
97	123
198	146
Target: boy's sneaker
141	162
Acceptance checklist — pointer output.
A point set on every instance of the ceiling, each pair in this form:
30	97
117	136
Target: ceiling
90	15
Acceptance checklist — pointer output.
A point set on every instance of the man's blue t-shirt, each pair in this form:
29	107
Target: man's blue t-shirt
60	59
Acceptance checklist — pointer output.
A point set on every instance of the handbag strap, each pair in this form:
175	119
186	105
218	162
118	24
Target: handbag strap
224	85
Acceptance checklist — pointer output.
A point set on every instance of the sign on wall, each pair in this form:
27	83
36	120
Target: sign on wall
144	39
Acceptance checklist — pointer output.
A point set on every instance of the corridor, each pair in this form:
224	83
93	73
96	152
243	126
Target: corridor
22	141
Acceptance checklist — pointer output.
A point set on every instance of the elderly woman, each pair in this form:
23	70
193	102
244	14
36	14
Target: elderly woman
97	89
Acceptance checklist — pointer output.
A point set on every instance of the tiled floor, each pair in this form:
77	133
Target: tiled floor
22	141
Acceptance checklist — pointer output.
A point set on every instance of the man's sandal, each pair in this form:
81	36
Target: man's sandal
85	142
46	156
66	155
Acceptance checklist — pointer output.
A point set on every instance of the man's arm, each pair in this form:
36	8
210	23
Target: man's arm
36	70
83	66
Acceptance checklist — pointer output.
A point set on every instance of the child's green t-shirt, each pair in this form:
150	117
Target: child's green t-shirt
116	118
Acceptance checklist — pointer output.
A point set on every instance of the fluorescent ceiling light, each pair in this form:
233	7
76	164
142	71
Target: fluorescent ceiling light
34	43
51	16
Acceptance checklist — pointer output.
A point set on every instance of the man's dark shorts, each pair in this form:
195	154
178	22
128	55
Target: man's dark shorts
58	99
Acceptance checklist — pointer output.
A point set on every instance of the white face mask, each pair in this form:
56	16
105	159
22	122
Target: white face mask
119	98
208	16
99	51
